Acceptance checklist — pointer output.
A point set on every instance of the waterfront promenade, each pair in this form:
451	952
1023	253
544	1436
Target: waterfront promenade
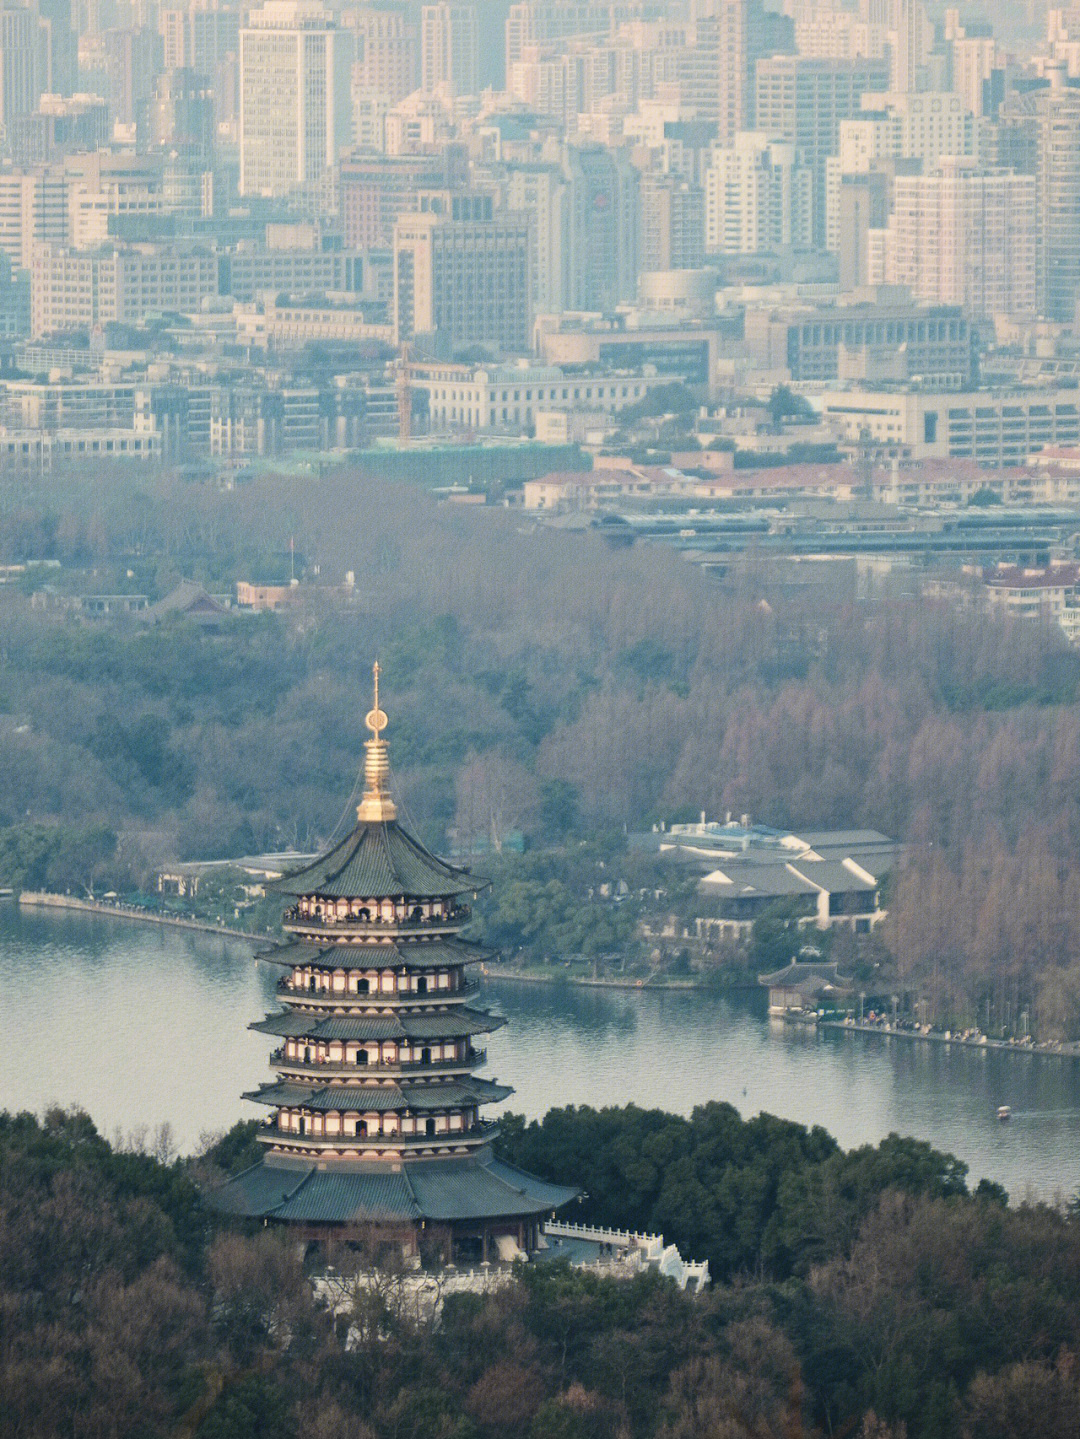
969	1039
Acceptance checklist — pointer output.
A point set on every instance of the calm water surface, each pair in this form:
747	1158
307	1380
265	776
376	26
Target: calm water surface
141	1025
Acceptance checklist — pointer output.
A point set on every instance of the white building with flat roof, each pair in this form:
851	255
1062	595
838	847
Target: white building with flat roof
294	96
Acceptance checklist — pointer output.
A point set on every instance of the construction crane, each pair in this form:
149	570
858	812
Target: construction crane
404	398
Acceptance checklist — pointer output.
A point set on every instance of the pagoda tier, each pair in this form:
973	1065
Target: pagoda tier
373	1075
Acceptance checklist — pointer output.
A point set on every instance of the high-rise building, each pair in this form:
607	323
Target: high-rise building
958	237
59	55
729	38
910	38
33	210
450	48
1057	112
294	97
804	101
672	223
462	274
758	198
182	113
61	125
375	190
605	227
386	54
541	190
20	62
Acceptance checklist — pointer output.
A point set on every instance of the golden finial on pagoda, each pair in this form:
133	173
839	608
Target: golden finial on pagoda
376	804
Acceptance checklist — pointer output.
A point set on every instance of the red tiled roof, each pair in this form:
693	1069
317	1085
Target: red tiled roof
1014	577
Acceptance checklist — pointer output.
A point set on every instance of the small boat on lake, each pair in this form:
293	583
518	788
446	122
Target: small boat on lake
1004	1113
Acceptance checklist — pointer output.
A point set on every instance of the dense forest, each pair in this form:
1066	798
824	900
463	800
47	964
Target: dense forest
865	1294
539	681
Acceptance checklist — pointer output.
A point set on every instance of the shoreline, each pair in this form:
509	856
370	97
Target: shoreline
1068	1050
517	977
42	899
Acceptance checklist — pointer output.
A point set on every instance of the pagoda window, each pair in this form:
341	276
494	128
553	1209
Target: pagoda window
416	912
421	984
455	1121
365	915
350	1124
444	979
425	1056
361	1056
429	1126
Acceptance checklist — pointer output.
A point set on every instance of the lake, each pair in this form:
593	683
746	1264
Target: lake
141	1025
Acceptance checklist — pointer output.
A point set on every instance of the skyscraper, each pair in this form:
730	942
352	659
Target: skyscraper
294	99
450	48
20	78
730	37
461	274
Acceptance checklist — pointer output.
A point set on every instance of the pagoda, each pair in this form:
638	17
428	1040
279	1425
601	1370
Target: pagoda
375	1127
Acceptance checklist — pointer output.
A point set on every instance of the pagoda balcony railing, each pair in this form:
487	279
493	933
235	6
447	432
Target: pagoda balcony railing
403	999
330	1067
479	1133
351	925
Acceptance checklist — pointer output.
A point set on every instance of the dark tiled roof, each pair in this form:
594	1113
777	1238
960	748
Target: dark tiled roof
796	975
376	861
449	1024
471	1187
394	954
376	1099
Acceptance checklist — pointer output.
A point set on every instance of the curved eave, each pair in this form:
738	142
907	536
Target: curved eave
373	1028
379	1099
444	1190
396	954
377	860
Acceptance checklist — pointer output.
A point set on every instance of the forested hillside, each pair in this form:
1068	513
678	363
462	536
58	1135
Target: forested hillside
908	1309
539	680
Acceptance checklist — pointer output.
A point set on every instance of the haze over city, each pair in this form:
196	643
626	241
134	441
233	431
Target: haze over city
539	719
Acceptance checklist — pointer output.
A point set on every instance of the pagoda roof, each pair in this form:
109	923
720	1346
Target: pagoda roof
373	1099
391	954
395	1024
463	1188
376	860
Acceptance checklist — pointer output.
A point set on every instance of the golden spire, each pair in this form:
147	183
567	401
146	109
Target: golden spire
376	804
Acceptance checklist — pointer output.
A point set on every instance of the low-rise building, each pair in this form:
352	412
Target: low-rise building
826	343
1050	594
804	987
507	398
825	879
265	597
995	428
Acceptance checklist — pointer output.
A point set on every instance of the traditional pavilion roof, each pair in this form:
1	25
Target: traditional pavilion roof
801	973
380	1098
395	1024
391	954
376	860
469	1187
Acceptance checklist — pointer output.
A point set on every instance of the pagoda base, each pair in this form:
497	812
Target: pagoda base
469	1209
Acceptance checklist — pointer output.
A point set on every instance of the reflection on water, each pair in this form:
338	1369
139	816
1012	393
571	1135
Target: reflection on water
141	1025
